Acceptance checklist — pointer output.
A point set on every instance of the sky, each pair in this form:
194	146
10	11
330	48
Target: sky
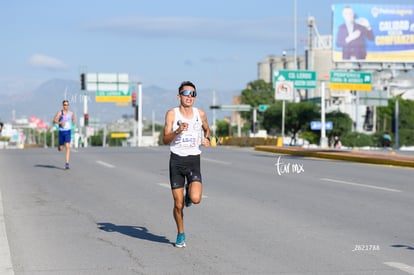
216	44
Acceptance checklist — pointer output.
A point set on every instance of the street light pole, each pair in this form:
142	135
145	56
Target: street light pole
294	36
324	140
214	114
140	114
283	102
397	133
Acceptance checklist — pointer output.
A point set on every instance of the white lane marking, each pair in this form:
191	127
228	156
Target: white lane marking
105	164
362	185
167	185
216	161
6	266
401	266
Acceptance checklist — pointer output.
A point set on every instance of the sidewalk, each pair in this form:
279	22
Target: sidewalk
374	157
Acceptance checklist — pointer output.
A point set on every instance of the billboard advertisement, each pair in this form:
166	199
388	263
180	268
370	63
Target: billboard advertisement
373	33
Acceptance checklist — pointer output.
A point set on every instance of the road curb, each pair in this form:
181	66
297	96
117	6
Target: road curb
6	266
355	156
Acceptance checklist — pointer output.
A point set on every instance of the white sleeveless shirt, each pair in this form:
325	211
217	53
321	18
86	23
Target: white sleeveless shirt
188	142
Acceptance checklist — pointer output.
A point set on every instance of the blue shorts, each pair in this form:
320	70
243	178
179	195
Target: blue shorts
64	137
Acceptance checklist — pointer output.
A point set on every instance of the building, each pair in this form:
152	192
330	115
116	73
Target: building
388	80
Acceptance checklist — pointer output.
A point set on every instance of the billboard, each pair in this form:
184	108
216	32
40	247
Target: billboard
373	33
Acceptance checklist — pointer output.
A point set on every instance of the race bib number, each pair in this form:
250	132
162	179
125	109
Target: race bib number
188	140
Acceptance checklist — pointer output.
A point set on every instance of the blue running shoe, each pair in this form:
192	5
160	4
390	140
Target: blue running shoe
180	242
187	200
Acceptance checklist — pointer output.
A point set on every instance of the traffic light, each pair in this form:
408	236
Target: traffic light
86	119
82	79
136	113
254	127
134	99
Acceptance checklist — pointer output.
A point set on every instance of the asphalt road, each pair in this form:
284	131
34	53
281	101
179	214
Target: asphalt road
261	213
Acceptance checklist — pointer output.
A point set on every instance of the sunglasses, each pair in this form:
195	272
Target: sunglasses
188	92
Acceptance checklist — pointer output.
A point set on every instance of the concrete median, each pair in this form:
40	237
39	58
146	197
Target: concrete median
391	158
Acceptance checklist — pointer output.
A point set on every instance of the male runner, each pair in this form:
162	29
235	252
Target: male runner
186	128
65	119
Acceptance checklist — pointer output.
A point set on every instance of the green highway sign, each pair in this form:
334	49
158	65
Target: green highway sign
118	96
262	107
113	93
302	79
355	81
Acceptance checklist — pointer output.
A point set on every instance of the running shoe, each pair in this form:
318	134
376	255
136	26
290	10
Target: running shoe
180	242
187	200
66	165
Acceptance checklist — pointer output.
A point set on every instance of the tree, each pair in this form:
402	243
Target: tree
257	92
97	138
385	115
342	123
386	120
222	128
406	122
355	139
298	117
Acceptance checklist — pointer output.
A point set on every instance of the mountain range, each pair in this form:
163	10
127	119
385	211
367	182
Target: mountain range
46	100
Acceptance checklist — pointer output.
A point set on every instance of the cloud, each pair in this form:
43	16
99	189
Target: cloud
249	30
46	62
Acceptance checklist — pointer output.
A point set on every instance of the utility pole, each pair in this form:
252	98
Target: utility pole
324	140
140	114
214	114
397	132
284	101
294	37
85	106
135	106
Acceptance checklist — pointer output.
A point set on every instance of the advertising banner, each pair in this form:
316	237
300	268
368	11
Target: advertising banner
373	33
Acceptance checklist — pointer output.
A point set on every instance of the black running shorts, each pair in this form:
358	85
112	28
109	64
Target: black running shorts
182	168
